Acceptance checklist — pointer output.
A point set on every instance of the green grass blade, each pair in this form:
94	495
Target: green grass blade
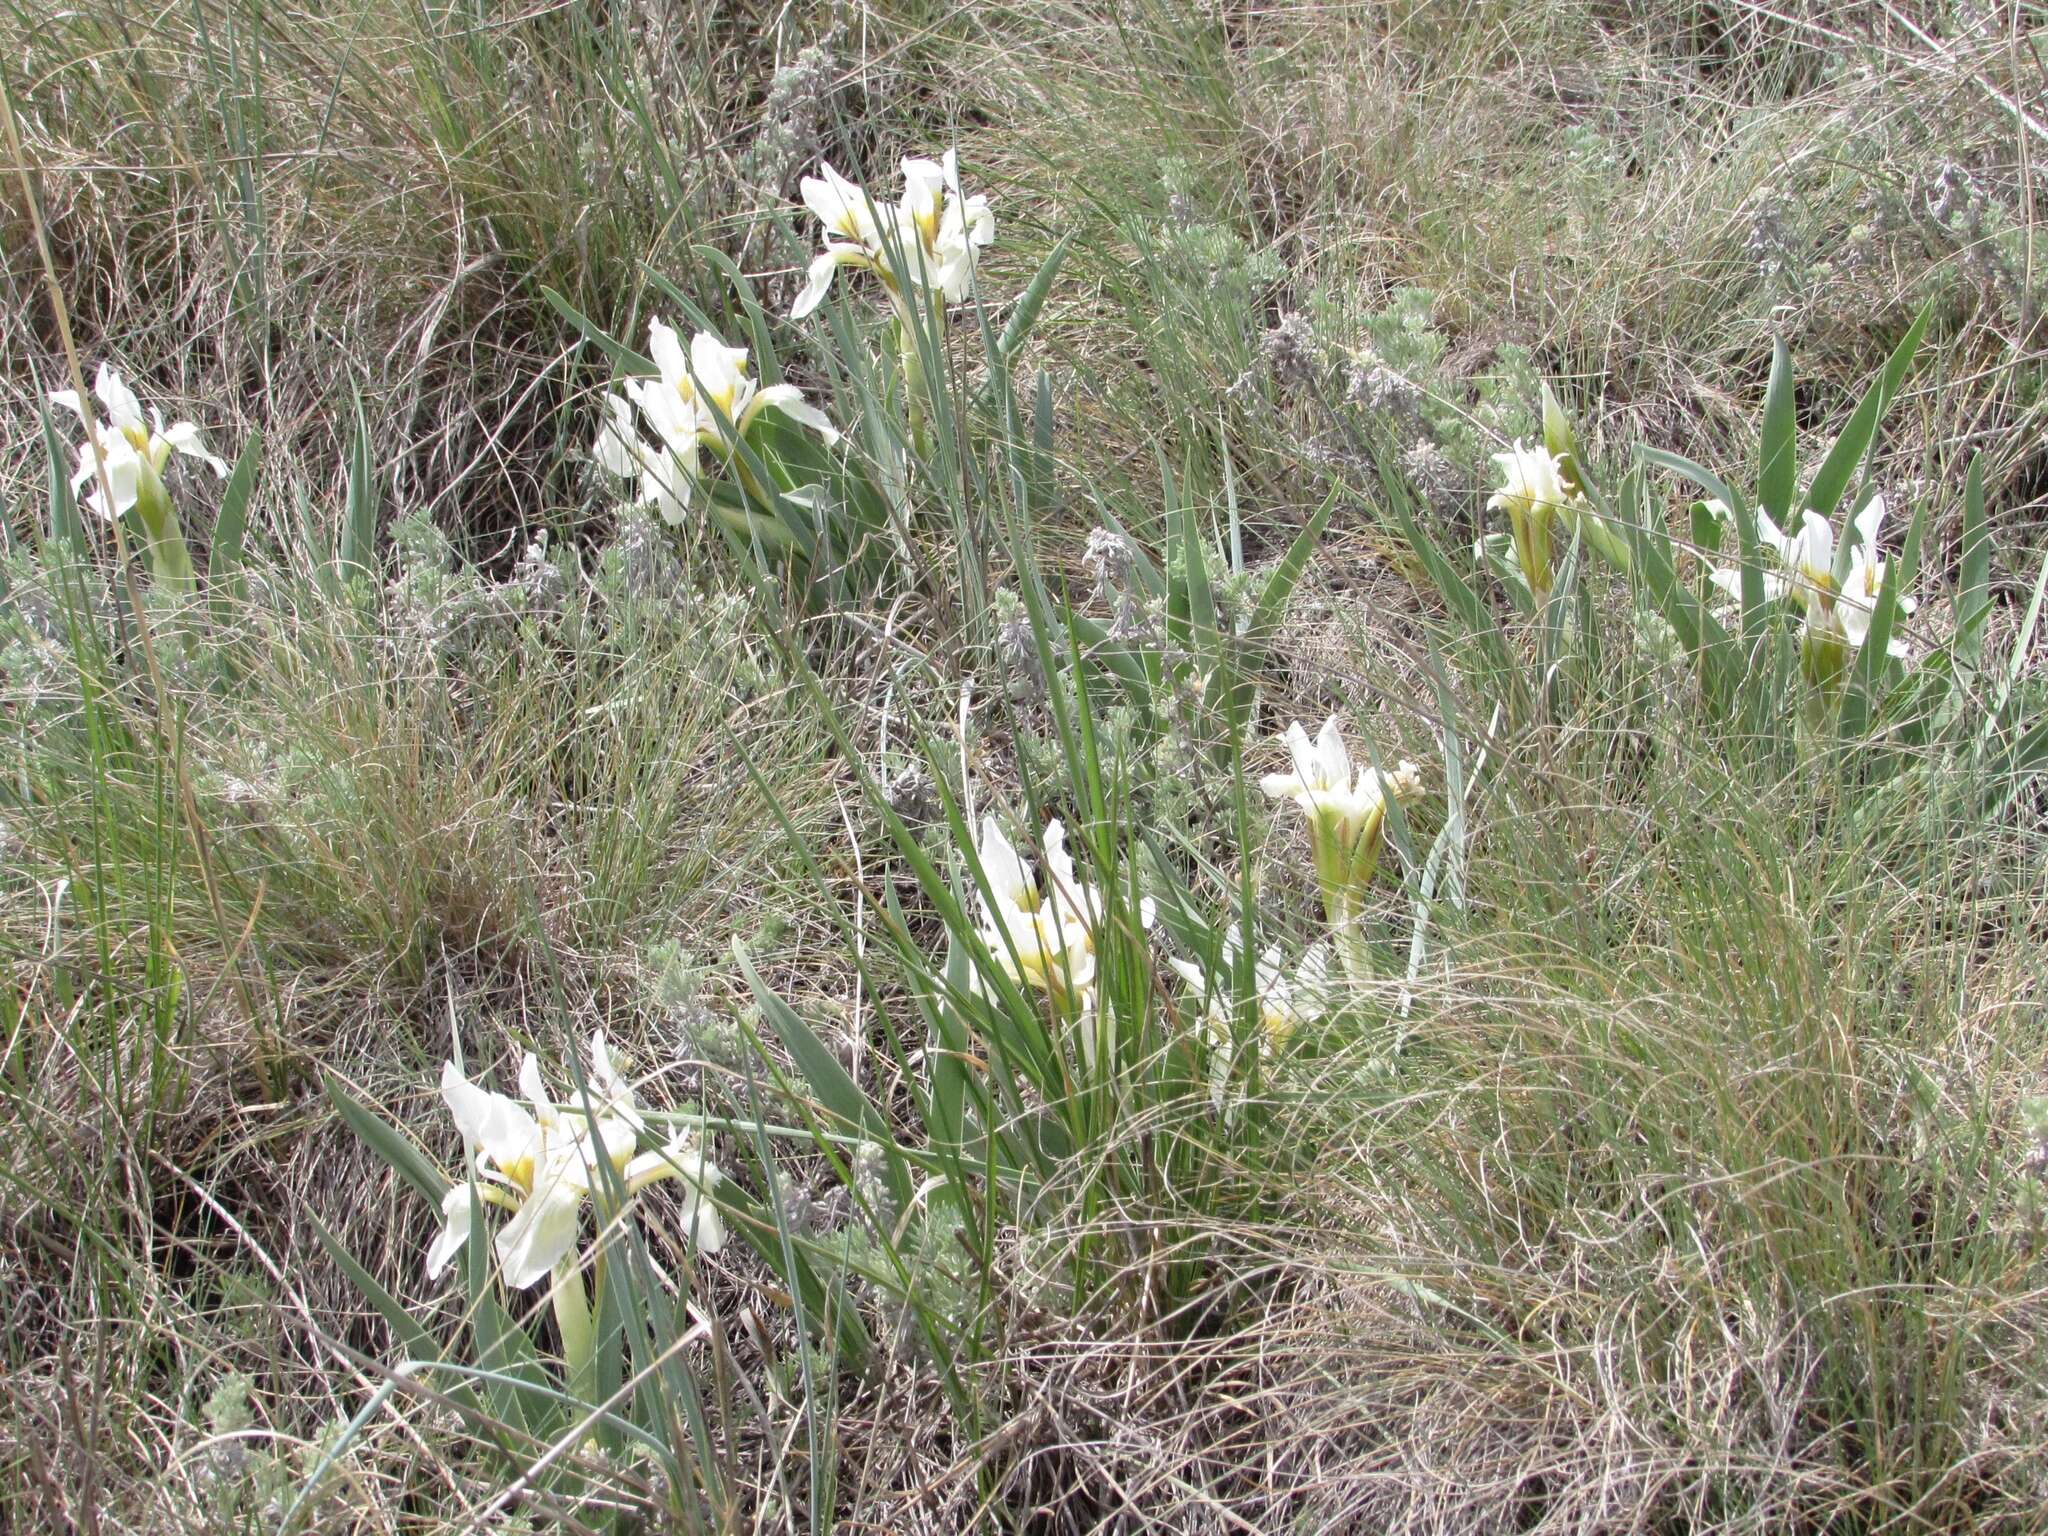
836	1090
1678	464
231	530
387	1141
1860	697
355	554
62	505
414	1339
1777	476
1024	314
623	357
1973	583
1831	480
1271	606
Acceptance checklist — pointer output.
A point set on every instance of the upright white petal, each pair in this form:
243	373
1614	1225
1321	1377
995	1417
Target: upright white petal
1812	551
665	347
610	1087
535	1090
616	1139
68	398
1009	877
1333	762
1530	483
716	365
1059	864
924	187
489	1122
123	409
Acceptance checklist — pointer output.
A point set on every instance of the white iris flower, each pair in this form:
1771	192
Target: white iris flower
927	240
703	399
541	1162
1283	1003
1803	565
1043	937
137	449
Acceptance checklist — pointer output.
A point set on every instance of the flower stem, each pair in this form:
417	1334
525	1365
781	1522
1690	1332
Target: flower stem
573	1322
170	558
914	398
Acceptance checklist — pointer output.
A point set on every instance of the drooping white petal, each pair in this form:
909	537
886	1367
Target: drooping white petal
979	222
670	410
184	437
1728	578
702	1224
667	479
824	199
541	1234
845	209
817	283
125	469
1768	534
682	1159
1312	976
617	450
1280	786
789	400
455	1222
68	398
1853	615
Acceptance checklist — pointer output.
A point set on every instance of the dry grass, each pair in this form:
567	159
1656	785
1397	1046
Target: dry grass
1698	1205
